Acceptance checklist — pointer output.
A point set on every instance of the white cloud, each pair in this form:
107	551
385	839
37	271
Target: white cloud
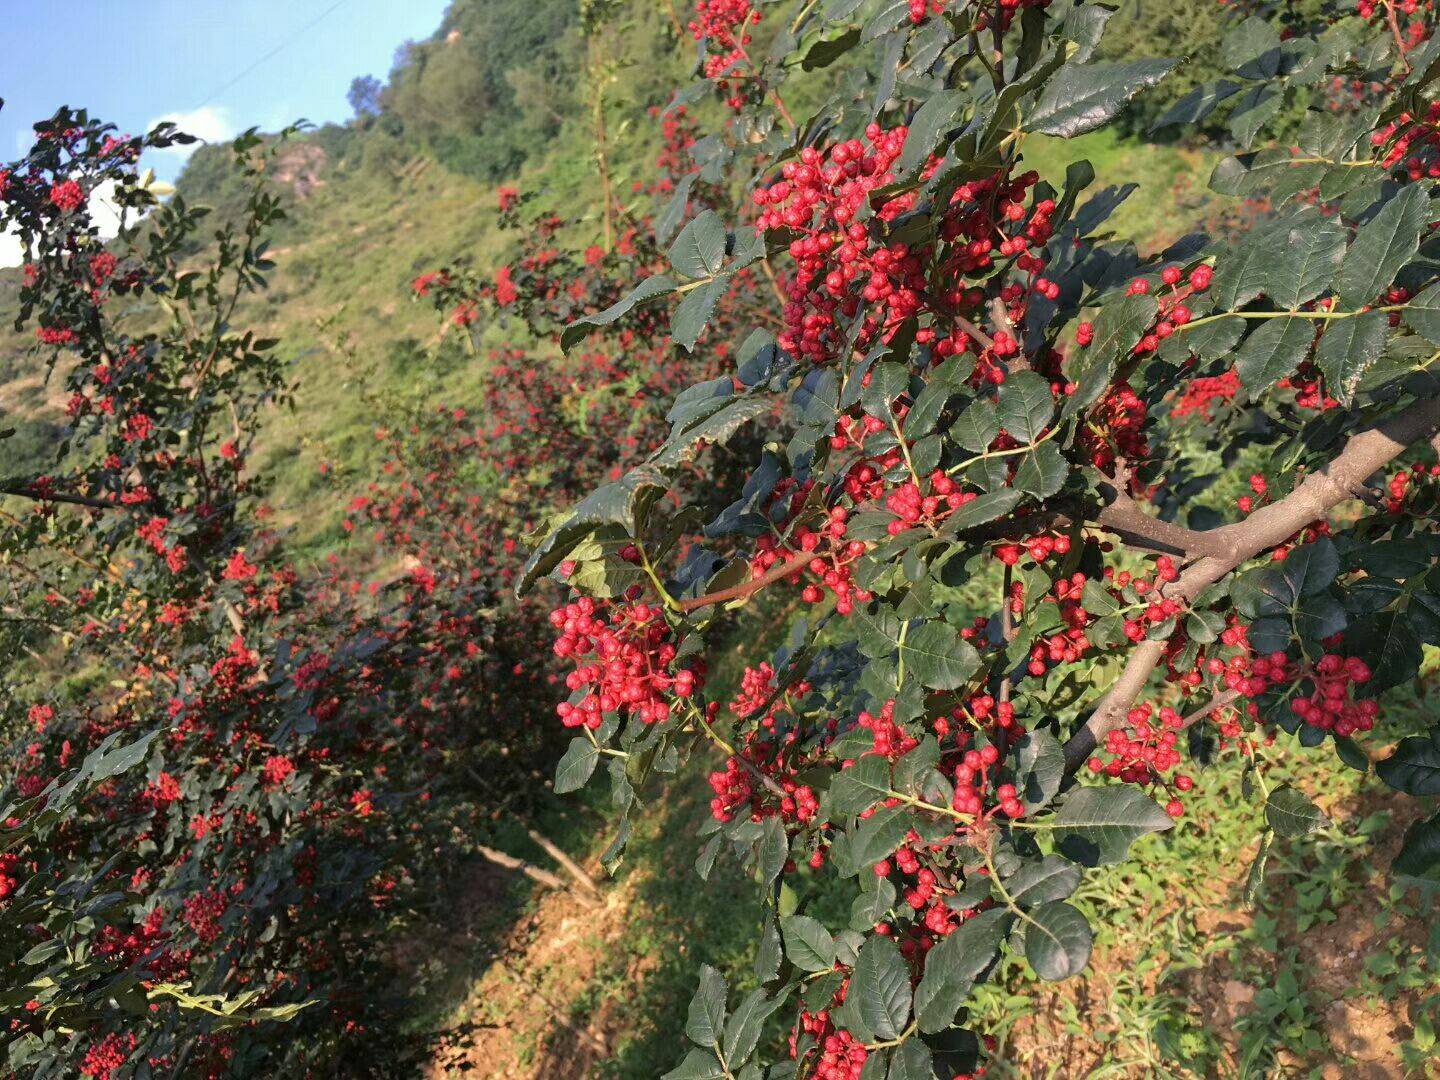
11	254
209	123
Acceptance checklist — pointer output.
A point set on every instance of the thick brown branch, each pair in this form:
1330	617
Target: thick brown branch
1268	527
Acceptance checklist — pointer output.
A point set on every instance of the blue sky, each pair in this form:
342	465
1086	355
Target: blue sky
136	61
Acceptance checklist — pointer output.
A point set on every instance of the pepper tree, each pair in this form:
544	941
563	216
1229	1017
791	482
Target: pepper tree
973	385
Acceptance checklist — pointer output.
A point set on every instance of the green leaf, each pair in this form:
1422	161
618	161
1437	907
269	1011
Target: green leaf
877	836
1253	111
774	849
647	290
1097	825
698	1065
1313	250
911	1060
1347	350
1042	473
871	907
1414	767
1096	599
1277	588
826	51
953	966
1243	275
880	987
1255	878
1197	104
1118	328
699	250
1040	767
936	655
706	1018
1026	405
808	945
1420	853
859	787
689	320
576	767
978	511
742	1030
1291	814
975	428
1048	879
1382	246
1083	97
1273	352
930	122
1389	644
1252	49
1422	314
1058	940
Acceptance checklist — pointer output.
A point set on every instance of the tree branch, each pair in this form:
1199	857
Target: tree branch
28	491
1270	526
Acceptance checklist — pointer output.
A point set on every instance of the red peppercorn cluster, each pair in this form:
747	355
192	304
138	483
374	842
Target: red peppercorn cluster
633	653
1145	751
890	740
724	27
839	265
9	867
973	776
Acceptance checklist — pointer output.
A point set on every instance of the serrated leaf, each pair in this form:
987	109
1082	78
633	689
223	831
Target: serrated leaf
976	428
1042	473
1420	852
1083	97
880	987
1117	329
1348	349
911	1060
699	250
1026	406
826	51
1097	825
1048	879
859	787
698	1065
1291	814
808	945
953	966
649	289
983	508
576	766
1273	351
1277	588
1255	878
1197	104
742	1030
936	116
877	836
1382	246
936	655
693	314
1058	941
1040	767
1422	313
1414	767
1313	251
706	1017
